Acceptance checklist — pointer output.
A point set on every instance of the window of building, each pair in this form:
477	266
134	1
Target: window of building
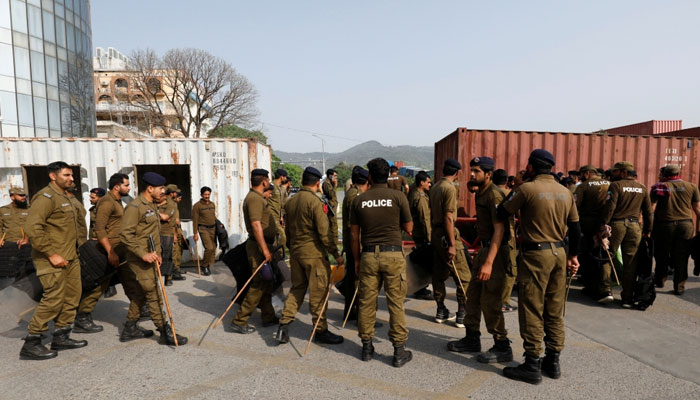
104	99
173	173
49	33
36	177
26	110
121	83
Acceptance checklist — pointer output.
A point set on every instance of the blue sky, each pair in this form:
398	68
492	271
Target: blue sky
410	72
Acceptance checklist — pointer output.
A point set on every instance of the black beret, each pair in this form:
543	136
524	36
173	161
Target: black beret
482	162
153	179
451	162
313	171
542	155
259	172
98	191
280	172
363	173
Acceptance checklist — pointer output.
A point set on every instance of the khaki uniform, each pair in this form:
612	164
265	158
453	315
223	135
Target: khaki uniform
56	225
673	228
419	203
545	209
139	222
204	221
590	200
509	279
177	250
397	182
330	193
276	202
309	246
167	234
12	219
347	288
487	297
443	199
627	199
379	212
91	231
256	208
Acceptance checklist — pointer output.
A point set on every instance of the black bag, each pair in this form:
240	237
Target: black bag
236	260
12	259
644	291
94	266
423	256
221	236
28	282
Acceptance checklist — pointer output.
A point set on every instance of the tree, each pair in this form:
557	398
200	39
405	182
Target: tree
202	91
294	173
234	131
344	173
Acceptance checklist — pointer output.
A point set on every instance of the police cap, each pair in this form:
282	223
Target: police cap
280	172
623	166
672	169
17	190
484	162
153	179
98	191
313	171
587	168
542	155
259	172
452	163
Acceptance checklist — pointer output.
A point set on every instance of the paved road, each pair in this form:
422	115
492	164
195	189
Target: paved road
610	353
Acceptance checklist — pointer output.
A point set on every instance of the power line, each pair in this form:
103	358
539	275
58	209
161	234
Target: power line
314	133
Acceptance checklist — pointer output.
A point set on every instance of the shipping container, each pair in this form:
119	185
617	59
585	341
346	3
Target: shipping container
510	150
222	164
648	128
690	132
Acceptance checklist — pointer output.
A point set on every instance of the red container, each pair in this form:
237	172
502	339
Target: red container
649	128
690	132
510	150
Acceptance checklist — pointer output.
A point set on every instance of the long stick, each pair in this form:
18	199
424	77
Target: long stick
238	294
196	254
454	268
165	300
323	309
357	287
566	296
612	266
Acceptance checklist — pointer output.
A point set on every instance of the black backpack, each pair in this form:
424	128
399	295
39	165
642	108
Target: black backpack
236	260
644	291
221	236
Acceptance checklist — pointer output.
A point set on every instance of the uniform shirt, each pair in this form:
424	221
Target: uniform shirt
277	201
329	192
167	228
256	208
674	200
419	203
379	212
350	195
307	229
545	209
108	217
487	201
443	199
627	198
12	219
396	182
203	214
55	223
140	220
590	197
93	217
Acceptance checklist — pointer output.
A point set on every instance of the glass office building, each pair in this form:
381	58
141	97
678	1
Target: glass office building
46	79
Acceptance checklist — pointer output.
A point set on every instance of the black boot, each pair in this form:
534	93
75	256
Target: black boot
34	350
84	324
459	318
242	329
110	292
442	314
470	343
282	335
206	271
168	281
145	314
166	336
401	356
529	371
62	340
550	364
500	352
132	331
328	337
367	350
177	276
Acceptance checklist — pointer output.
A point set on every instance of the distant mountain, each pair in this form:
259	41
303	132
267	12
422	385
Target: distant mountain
359	155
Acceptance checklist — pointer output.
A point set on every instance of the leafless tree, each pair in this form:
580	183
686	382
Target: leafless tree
78	81
202	91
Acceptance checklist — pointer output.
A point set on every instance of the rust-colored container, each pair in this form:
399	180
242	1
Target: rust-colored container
649	128
510	150
690	132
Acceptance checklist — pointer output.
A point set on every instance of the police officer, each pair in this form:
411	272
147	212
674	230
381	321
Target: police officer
95	195
419	203
590	198
377	217
204	223
169	218
309	246
626	200
12	218
447	244
491	266
500	179
396	181
262	230
56	228
676	204
329	193
360	184
546	210
141	223
176	195
277	200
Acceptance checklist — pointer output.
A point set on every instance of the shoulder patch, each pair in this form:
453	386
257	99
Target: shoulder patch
47	195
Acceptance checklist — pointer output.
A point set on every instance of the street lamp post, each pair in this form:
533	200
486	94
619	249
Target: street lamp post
323	152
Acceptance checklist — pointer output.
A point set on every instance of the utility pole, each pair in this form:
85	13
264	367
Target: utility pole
323	151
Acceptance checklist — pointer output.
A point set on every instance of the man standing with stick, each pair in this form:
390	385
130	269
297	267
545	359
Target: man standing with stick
309	246
262	229
141	221
204	223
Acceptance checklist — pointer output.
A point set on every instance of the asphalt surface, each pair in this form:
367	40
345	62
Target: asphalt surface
611	353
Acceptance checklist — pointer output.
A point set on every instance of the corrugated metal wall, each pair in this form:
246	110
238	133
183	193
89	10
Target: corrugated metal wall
222	164
648	128
510	150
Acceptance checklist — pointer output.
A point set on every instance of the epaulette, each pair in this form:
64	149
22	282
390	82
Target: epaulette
47	195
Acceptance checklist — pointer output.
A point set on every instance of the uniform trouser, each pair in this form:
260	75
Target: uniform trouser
596	270
442	269
347	287
508	283
541	297
59	302
139	281
282	237
166	245
333	228
177	255
89	301
390	268
673	244
311	274
627	235
208	236
487	297
259	290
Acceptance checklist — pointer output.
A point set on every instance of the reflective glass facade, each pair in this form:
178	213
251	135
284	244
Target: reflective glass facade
46	79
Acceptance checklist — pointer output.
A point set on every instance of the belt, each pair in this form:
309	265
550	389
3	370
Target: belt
381	248
485	243
540	246
682	221
630	219
206	226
